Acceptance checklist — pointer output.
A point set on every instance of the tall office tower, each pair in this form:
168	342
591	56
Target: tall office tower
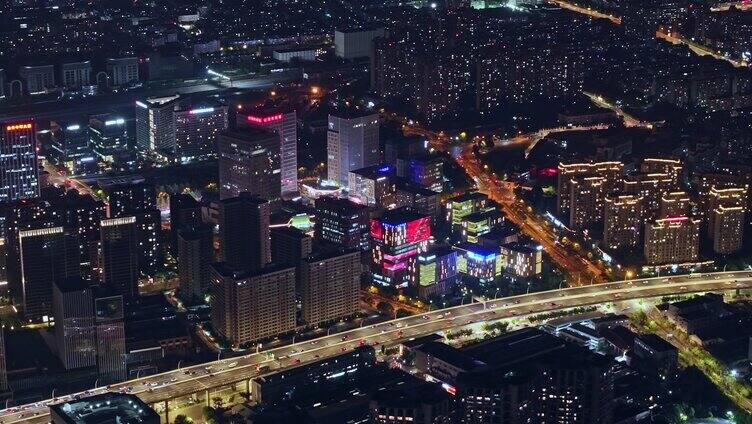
46	255
330	285
139	199
75	332
622	223
196	132
399	150
244	232
290	245
373	186
155	124
399	235
185	213
675	203
248	306
343	222
119	255
460	206
195	254
437	271
70	146
651	187
352	142
19	170
249	162
426	171
108	136
727	213
111	355
670	167
672	240
611	172
285	123
586	196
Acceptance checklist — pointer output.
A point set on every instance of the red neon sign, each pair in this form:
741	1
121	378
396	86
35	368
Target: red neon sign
376	231
264	119
19	127
418	230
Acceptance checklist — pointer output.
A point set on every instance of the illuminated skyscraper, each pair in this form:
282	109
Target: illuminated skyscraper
285	124
196	131
19	173
352	143
46	255
399	235
155	124
342	222
586	196
622	221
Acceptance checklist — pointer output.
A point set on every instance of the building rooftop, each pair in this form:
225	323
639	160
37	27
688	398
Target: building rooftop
400	216
104	408
468	196
656	343
450	355
514	347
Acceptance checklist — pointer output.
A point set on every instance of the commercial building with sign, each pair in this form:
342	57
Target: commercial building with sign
399	235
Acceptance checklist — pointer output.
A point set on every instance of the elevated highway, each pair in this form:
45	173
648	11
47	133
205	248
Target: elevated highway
204	378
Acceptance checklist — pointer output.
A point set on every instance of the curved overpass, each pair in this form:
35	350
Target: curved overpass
200	378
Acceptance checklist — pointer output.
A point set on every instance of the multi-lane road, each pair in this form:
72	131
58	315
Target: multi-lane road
197	379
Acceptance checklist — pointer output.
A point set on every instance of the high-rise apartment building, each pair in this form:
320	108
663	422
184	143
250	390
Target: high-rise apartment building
197	128
138	198
155	124
675	203
195	254
330	285
19	170
75	75
285	123
343	222
622	223
671	167
399	235
352	143
727	215
248	306
249	162
119	255
244	232
46	255
651	187
672	240
75	330
586	197
611	172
